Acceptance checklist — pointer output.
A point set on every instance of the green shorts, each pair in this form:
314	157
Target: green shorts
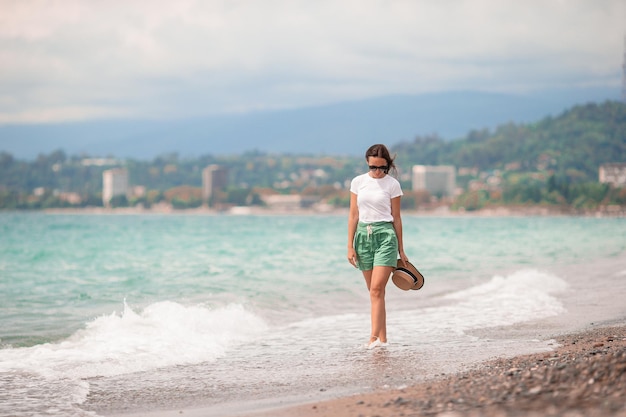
376	244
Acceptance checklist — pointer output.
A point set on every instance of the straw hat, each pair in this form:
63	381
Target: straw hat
407	277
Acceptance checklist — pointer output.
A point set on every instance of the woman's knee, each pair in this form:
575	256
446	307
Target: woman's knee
377	292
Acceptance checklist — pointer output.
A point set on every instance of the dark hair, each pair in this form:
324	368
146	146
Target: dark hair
380	151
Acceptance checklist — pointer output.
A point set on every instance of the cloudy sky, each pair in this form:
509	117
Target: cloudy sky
70	60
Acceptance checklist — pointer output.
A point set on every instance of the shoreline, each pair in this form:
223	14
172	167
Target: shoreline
585	375
442	211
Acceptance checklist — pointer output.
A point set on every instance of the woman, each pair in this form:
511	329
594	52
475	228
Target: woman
375	232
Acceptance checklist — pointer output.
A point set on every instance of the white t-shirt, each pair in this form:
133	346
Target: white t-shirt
374	197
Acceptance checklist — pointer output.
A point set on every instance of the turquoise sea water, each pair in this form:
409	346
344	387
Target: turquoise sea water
100	312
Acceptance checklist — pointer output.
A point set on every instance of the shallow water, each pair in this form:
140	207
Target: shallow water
109	314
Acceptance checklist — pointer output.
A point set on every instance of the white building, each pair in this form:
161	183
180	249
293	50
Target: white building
614	174
289	202
114	183
438	180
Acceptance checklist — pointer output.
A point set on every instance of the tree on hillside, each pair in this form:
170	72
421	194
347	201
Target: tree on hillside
578	141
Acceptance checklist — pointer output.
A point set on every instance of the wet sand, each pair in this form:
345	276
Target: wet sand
584	376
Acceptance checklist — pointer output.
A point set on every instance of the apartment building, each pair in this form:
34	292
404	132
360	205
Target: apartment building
114	183
439	180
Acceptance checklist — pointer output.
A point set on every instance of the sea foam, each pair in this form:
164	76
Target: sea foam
521	296
163	334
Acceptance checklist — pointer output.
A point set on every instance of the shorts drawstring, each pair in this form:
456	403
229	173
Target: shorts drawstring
369	231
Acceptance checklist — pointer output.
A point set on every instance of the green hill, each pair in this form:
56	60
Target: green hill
572	145
553	162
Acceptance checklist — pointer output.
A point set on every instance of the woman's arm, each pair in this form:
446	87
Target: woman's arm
397	225
353	220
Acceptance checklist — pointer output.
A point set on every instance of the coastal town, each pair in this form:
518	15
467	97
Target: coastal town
436	185
572	164
311	185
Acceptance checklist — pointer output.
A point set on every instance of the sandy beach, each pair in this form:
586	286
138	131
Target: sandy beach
584	376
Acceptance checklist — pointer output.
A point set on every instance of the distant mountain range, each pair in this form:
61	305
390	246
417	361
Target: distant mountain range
346	128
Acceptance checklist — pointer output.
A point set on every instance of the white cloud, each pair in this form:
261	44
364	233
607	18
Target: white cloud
71	59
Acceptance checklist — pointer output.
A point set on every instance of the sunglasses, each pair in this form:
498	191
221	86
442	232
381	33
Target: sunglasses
383	168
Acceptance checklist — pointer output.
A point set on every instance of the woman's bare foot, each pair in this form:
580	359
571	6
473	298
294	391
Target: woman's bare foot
374	342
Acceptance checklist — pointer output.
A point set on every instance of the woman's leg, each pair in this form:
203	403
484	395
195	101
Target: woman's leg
376	281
